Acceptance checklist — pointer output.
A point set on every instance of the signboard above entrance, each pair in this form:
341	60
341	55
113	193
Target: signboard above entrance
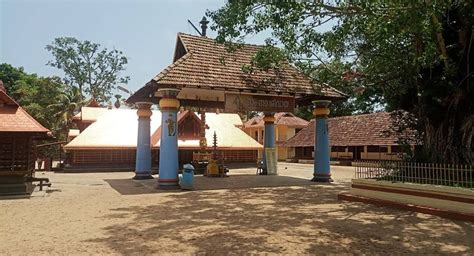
246	102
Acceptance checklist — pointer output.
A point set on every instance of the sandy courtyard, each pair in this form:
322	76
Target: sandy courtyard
107	213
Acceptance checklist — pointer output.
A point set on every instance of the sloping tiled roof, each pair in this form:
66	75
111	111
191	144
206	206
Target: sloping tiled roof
14	118
228	135
90	114
117	128
359	130
202	63
232	118
73	133
281	118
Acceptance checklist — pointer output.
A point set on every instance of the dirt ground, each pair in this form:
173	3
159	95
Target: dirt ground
108	213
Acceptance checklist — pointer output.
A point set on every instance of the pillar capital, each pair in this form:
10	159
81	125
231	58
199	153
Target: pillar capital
143	110
269	117
171	104
321	103
321	108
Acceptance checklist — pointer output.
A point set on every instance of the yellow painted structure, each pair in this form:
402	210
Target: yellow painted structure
282	133
212	168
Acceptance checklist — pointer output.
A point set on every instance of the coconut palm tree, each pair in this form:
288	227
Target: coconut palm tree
69	103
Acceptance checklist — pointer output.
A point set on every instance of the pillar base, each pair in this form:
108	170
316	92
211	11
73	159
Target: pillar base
322	178
139	176
166	184
168	187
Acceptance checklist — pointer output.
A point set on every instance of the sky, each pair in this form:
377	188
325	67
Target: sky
145	30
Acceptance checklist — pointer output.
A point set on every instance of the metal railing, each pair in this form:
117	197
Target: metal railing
411	172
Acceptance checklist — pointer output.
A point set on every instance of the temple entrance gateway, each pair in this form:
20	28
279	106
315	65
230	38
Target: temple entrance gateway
205	76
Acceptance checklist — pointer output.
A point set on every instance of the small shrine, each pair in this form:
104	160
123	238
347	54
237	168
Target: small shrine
19	133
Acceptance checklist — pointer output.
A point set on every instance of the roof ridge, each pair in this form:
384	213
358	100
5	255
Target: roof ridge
9	98
338	91
365	114
214	40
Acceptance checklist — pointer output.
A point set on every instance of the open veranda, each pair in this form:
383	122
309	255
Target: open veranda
109	213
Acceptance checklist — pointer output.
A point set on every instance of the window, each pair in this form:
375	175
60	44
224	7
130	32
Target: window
377	149
338	149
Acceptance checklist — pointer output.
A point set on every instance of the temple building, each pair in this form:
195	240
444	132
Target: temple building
206	75
19	133
88	115
110	139
286	126
358	137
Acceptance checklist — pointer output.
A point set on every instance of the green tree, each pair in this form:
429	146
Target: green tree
412	55
32	92
9	75
68	102
93	69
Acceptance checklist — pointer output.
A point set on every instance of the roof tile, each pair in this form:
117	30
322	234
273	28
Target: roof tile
358	130
14	118
281	118
208	64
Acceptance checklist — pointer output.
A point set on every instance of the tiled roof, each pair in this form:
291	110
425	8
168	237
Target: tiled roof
90	114
73	133
117	128
232	118
2	87
228	135
202	63
14	118
358	130
281	118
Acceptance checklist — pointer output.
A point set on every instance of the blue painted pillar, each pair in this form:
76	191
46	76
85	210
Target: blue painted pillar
168	165
143	155
322	167
269	142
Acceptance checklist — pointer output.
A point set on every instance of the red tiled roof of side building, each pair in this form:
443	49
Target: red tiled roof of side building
358	130
200	62
14	118
281	118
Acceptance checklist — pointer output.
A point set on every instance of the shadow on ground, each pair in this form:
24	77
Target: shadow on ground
287	220
137	187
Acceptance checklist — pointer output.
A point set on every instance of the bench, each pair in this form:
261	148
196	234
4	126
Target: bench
43	182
